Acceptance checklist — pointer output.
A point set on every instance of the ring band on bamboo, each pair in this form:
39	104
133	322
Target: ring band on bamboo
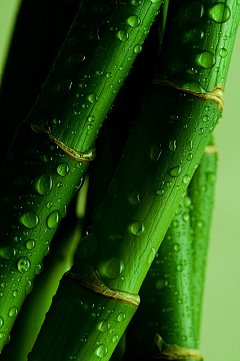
211	149
174	352
89	279
87	156
216	94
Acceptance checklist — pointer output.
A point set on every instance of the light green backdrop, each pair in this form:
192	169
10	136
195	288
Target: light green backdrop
220	339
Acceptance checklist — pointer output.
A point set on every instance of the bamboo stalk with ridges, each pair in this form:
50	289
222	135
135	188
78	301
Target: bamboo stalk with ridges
53	146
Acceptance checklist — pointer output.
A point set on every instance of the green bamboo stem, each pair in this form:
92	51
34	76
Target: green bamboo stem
38	182
201	192
163	150
166	308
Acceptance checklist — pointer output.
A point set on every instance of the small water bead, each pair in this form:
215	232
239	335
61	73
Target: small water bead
43	184
175	171
93	98
172	145
121	317
175	224
176	247
179	267
63	169
101	351
136	2
206	59
16	293
200	224
53	219
220	13
206	118
7	252
23	264
137	48
211	177
155	152
200	131
196	34
49	204
194	11
29	219
223	52
76	59
112	268
13	311
38	268
122	35
109	75
104	326
189	156
134	198
136	228
185	217
134	21
186	179
2	335
1	321
151	255
115	338
87	247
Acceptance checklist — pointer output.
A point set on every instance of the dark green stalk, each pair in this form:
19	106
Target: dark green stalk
201	192
38	178
163	150
166	308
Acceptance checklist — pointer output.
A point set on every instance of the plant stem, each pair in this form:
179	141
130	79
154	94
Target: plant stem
172	127
38	178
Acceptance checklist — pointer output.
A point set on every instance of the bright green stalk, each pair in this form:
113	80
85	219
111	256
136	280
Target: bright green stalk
38	179
167	302
160	157
201	192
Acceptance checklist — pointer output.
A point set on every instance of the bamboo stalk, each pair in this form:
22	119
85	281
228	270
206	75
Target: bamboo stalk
173	125
57	138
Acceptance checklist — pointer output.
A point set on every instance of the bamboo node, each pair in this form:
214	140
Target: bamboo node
87	156
90	279
216	94
174	352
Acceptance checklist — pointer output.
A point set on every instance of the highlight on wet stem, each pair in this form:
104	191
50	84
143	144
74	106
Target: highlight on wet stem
108	176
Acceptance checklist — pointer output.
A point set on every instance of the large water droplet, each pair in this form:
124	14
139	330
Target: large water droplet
194	11
134	198
43	184
88	247
137	48
104	326
220	13
112	268
122	35
30	244
102	351
206	59
13	311
175	171
7	252
1	321
137	228
63	169
121	317
223	52
93	98
53	219
29	219
134	21
23	264
186	179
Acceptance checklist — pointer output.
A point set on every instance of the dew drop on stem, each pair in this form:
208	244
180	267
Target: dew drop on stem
219	12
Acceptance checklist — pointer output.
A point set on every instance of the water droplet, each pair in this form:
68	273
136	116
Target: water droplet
175	171
38	268
102	351
206	118
175	224
49	204
76	59
53	219
207	108
185	217
179	268
223	52
211	177
7	252
115	338
97	213
93	98
151	255
190	145
200	131
172	145
137	228
122	35
91	119
29	219
134	21
16	293
186	179
104	326
63	169
109	75
23	264
2	335
121	317
1	322
111	268
206	59
43	184
220	13
184	338
189	156
200	224
13	311
134	198
187	201
196	34
155	152
176	247
29	286
137	48
136	2
30	244
87	247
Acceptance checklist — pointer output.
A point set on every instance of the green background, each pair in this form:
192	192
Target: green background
220	336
